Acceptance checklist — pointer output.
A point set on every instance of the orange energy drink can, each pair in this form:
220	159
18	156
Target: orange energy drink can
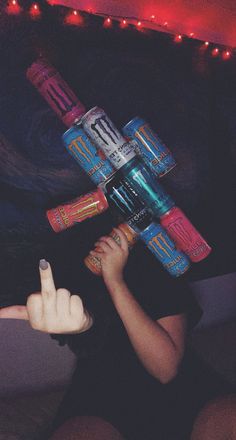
77	210
94	263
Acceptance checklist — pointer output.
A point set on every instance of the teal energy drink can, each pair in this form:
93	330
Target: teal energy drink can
149	146
147	187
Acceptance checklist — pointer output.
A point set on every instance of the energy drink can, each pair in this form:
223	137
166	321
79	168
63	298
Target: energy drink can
103	132
56	91
83	150
149	190
125	203
65	216
157	240
94	263
184	234
149	146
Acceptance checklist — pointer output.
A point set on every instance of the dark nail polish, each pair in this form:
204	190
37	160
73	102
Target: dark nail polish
43	264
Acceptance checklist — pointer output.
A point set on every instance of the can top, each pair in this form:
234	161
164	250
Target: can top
128	231
74	129
173	208
103	185
135	119
91	111
102	198
150	227
39	66
74	115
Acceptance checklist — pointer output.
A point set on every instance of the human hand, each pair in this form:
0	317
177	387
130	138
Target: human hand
113	256
51	310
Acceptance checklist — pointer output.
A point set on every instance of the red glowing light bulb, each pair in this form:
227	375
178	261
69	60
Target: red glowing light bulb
206	43
123	23
226	55
178	38
191	34
107	22
13	7
152	17
165	23
139	24
35	11
73	18
215	52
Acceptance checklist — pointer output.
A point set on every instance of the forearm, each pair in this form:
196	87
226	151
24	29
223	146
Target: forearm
152	343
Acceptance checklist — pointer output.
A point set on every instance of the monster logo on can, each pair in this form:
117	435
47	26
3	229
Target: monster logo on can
125	202
149	190
56	91
149	146
83	150
65	216
157	240
101	129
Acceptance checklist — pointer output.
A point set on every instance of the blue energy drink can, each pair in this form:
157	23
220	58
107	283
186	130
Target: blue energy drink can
149	146
125	204
103	132
83	150
145	184
160	244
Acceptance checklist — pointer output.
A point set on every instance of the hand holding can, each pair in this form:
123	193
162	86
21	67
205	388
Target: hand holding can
93	263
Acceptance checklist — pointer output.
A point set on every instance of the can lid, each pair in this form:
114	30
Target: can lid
93	109
169	211
39	66
74	115
103	185
128	230
150	226
103	199
136	118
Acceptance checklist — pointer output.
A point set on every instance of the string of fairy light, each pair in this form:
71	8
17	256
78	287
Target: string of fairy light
74	18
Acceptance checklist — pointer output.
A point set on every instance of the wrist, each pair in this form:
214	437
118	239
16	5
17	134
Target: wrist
88	323
114	281
115	285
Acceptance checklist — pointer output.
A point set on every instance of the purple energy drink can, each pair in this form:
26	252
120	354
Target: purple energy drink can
102	131
83	150
160	244
149	146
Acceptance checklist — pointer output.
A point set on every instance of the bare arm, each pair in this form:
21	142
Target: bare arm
158	344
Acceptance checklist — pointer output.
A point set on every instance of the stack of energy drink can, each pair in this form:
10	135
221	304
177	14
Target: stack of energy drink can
141	178
125	168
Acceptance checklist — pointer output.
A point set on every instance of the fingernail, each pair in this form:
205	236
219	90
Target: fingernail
43	264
